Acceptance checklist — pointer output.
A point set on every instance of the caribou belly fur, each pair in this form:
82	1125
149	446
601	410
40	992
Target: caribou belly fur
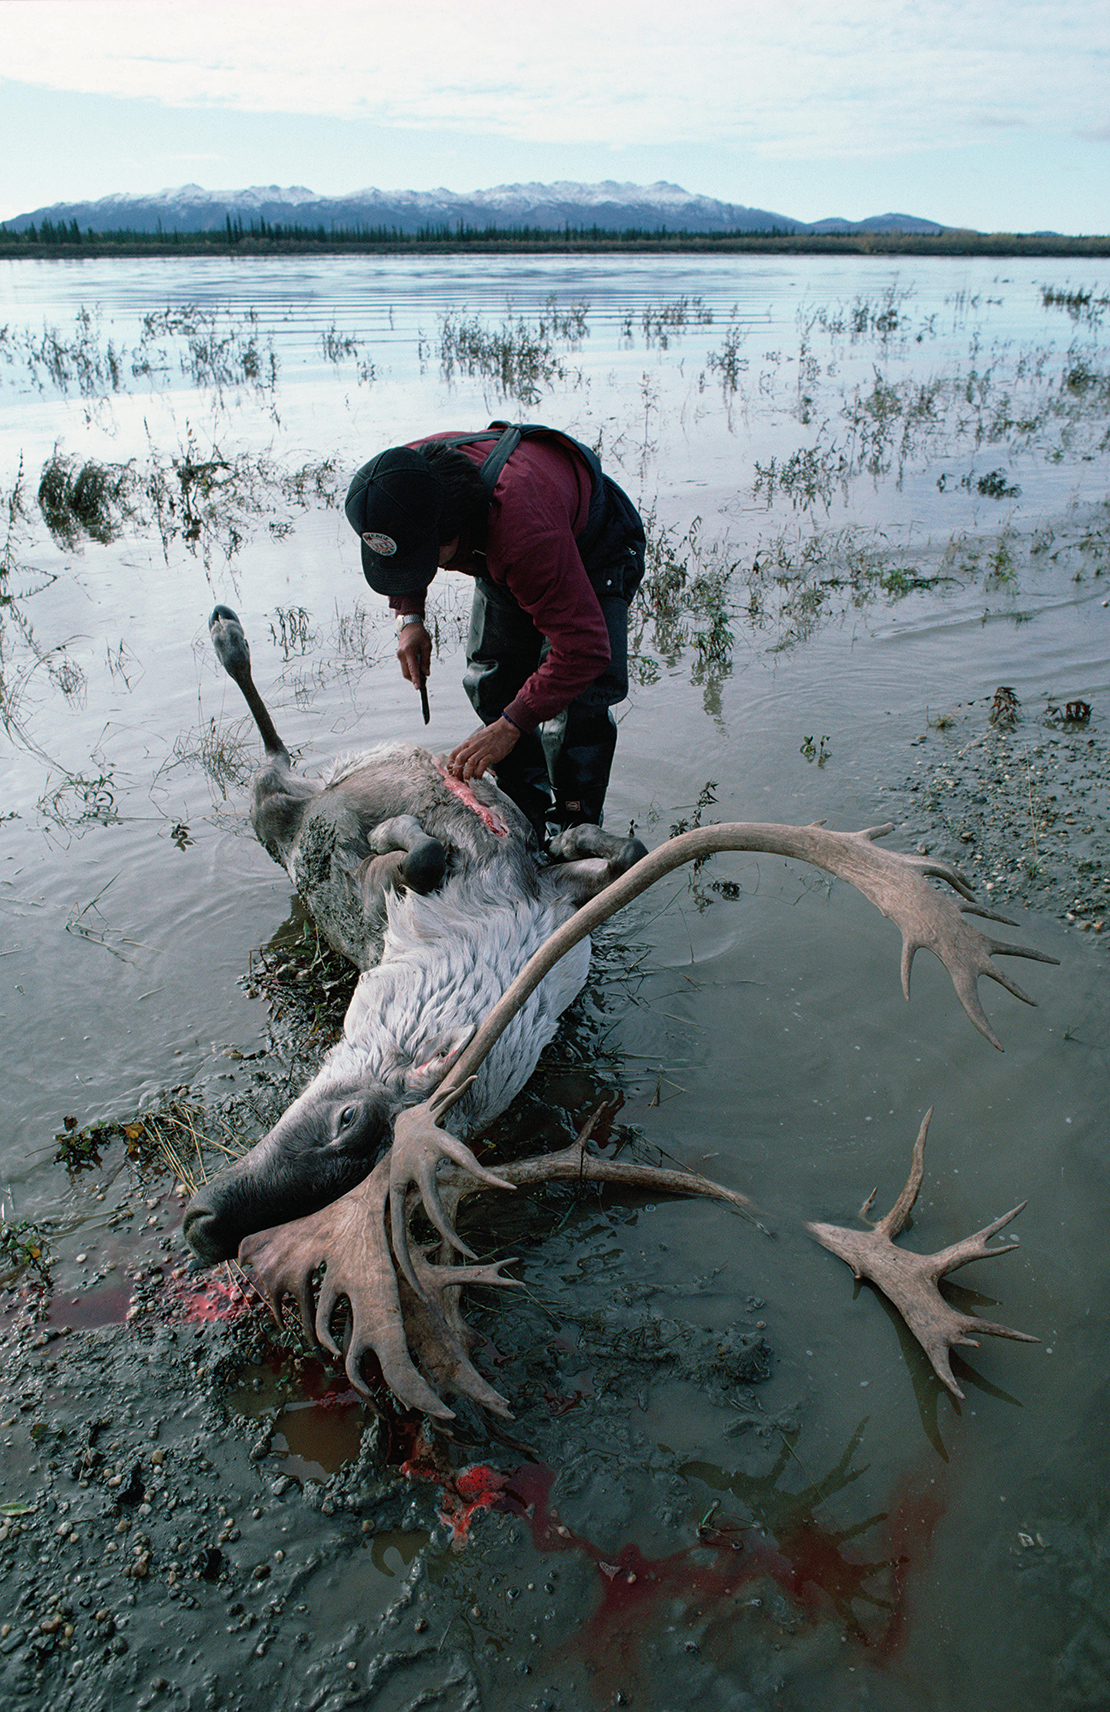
446	960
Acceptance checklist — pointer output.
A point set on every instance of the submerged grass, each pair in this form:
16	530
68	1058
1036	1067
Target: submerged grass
208	501
217	352
94	501
684	606
226	754
520	357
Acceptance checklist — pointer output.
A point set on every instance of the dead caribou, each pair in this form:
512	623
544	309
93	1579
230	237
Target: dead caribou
434	890
442	884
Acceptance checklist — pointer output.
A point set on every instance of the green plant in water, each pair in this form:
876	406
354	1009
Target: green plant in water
94	501
336	345
520	356
1002	571
727	363
22	1246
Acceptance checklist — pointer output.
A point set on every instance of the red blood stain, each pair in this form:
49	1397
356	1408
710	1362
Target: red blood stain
212	1298
728	1567
464	1493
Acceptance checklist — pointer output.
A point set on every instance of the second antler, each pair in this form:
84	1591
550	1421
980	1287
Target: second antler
895	882
911	1281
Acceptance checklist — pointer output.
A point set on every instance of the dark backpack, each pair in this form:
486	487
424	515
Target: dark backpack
611	541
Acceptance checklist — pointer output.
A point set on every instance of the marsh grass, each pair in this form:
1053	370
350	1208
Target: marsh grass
660	323
76	360
95	501
18	516
337	346
217	353
213	503
727	364
1080	305
1032	400
80	799
226	754
520	357
684	605
355	636
228	361
291	630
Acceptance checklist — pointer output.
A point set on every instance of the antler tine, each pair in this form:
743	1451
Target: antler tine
895	1220
910	1281
436	1326
977	1247
419	1144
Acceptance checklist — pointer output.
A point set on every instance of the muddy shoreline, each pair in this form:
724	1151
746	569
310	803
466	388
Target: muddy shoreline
1020	805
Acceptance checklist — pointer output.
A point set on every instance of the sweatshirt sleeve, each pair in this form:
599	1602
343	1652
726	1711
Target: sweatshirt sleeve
532	550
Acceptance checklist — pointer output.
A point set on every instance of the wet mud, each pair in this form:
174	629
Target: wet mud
1021	805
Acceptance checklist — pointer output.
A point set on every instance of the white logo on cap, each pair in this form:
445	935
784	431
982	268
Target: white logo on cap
383	544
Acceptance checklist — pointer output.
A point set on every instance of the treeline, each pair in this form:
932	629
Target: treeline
266	237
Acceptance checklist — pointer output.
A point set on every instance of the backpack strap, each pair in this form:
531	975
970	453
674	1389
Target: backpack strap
508	438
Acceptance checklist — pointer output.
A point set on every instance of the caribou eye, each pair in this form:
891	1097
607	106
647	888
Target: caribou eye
347	1116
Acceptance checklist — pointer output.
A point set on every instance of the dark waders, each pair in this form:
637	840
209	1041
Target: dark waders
560	772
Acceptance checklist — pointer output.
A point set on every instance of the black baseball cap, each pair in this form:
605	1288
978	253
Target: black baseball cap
395	503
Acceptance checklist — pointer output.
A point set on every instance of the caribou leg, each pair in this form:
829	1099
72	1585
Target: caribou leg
590	859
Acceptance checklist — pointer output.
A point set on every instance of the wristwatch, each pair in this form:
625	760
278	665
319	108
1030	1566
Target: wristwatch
406	618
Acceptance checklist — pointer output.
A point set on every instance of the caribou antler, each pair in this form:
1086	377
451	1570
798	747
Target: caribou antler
911	1281
396	1322
896	883
401	1305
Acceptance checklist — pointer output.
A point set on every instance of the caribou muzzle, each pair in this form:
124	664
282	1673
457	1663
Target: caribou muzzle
324	1145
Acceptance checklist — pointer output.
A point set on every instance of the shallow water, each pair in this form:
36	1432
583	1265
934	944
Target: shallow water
760	1037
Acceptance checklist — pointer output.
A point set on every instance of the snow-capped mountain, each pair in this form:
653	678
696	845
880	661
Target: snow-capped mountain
608	206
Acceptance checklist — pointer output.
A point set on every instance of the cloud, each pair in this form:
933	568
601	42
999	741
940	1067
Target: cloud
798	81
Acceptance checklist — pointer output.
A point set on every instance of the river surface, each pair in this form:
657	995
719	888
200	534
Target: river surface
891	481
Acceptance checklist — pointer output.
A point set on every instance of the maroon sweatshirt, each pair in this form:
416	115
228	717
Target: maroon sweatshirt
541	501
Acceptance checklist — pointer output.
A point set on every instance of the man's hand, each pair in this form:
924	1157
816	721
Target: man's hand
414	651
488	745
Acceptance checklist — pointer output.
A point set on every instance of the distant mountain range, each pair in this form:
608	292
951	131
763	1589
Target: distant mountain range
608	206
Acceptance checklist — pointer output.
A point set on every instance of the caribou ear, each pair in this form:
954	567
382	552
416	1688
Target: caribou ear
433	1059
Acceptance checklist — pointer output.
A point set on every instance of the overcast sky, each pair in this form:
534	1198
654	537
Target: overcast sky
986	113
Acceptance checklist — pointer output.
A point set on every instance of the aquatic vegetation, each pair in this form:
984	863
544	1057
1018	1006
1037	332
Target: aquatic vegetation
1079	304
79	359
23	1246
291	630
659	323
96	500
230	360
519	356
727	363
806	478
336	345
225	754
